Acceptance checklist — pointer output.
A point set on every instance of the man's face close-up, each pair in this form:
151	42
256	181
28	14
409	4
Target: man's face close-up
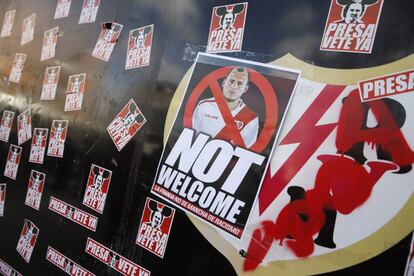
354	12
228	20
235	85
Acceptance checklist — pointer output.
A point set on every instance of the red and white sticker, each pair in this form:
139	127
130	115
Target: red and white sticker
386	86
35	189
49	44
97	188
27	240
13	161
6	125
58	133
114	260
89	11
227	28
126	124
351	26
66	264
17	68
39	141
8	23
74	92
7	270
24	127
2	198
155	227
28	29
107	39
62	8
50	82
139	47
72	213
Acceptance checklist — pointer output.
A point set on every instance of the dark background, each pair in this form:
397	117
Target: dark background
181	27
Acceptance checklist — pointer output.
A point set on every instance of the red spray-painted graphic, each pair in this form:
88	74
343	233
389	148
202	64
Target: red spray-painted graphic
342	182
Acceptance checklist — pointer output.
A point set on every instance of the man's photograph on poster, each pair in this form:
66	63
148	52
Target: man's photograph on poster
218	149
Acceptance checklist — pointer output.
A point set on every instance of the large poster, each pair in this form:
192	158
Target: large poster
218	149
17	67
28	29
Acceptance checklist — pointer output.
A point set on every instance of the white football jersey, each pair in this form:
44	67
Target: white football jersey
208	120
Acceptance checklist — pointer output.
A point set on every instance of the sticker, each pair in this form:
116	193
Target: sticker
8	23
13	161
72	213
28	29
139	47
74	92
49	44
216	155
387	86
27	240
39	141
126	124
2	198
65	264
351	26
7	270
62	8
114	260
58	132
97	188
6	125
24	127
50	82
107	39
227	28
89	11
17	68
35	189
155	227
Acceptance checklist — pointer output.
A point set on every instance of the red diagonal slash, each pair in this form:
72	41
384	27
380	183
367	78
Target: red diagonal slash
265	88
230	127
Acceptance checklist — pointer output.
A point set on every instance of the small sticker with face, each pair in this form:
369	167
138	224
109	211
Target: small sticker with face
28	29
227	28
107	39
2	198
17	68
57	138
24	127
6	125
155	227
89	11
13	161
8	23
35	189
37	151
351	26
97	188
72	213
114	260
49	44
27	240
50	82
126	124
62	8
65	264
139	47
74	92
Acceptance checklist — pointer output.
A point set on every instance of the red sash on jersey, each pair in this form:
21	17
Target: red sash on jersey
245	116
